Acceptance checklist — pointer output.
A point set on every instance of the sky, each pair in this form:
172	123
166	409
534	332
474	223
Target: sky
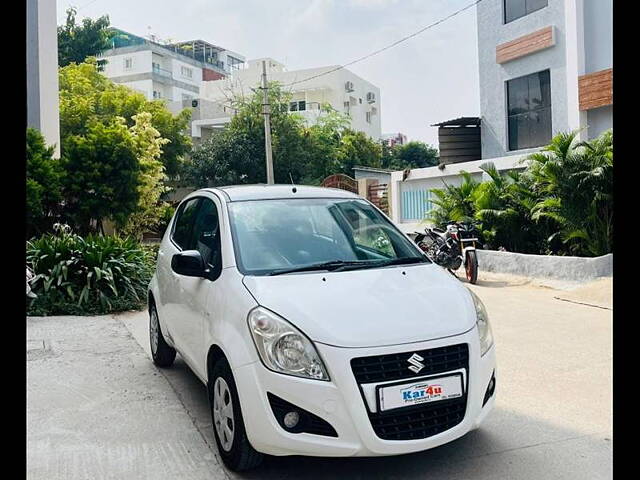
430	78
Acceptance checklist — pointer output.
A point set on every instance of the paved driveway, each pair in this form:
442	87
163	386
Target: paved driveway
552	418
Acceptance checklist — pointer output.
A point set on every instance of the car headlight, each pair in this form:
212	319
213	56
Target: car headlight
484	328
283	348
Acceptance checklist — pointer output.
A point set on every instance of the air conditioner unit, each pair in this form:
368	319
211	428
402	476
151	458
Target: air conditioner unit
348	86
371	97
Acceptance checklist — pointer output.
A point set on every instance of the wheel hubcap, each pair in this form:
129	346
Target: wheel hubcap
223	413
153	330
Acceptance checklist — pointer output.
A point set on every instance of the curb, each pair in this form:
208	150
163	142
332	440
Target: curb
546	266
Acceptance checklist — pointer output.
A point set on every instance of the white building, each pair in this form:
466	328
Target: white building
173	71
342	89
545	66
43	111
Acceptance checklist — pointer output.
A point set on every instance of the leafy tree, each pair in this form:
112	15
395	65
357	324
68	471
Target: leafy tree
387	159
150	209
414	155
304	154
102	174
86	94
209	163
323	145
44	183
77	42
357	148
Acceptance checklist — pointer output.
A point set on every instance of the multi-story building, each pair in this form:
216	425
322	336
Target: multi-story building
393	139
171	71
310	88
42	71
545	67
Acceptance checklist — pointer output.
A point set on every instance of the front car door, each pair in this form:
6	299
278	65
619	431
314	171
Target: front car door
177	239
189	311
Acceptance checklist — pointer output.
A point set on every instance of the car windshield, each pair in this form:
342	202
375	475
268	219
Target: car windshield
283	236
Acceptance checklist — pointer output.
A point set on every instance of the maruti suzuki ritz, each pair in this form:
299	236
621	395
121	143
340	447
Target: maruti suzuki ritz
317	326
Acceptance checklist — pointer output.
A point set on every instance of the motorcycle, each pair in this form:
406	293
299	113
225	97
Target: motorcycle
452	247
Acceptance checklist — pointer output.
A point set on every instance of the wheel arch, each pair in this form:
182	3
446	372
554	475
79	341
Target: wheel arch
151	300
214	354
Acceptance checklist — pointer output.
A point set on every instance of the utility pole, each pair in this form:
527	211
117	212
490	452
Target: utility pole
266	110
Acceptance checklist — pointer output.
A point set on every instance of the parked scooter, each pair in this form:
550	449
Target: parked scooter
452	247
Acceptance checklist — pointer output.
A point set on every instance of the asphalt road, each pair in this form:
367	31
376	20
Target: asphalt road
98	408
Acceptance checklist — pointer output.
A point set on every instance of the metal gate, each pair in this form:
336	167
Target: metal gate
341	181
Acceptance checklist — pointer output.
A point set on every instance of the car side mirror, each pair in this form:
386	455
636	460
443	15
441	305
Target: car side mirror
188	263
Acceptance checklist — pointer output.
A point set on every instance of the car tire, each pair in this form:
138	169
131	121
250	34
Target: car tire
163	355
471	267
233	445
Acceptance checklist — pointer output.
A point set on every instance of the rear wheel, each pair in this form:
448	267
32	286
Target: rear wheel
163	355
471	266
228	425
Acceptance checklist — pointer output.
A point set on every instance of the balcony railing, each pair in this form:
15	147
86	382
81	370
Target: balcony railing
162	72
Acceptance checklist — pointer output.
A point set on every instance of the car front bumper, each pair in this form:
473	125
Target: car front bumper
341	403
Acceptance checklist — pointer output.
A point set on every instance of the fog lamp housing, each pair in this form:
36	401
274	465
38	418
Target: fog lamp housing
491	388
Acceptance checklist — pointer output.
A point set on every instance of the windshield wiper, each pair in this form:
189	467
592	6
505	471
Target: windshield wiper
331	266
341	265
402	261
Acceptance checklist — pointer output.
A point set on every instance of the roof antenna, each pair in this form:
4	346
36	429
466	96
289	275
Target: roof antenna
294	189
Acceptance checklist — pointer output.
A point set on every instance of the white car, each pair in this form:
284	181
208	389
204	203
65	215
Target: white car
317	326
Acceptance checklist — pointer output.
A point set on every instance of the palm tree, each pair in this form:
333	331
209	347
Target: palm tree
575	182
454	203
504	205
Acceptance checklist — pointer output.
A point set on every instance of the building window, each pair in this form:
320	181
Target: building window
186	72
415	204
529	110
128	63
514	9
368	117
156	67
157	94
299	106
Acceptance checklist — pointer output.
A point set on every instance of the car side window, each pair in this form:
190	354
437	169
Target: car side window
368	233
183	227
205	236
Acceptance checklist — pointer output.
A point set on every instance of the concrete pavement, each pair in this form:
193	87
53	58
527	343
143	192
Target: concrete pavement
552	418
97	408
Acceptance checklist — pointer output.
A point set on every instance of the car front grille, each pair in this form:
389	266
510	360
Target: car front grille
418	421
394	366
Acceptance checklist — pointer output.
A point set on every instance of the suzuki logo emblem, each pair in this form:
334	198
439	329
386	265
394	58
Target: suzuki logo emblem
415	360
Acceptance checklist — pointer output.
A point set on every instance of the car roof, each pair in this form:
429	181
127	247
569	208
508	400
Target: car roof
236	193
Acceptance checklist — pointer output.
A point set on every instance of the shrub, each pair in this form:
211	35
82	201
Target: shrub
44	177
91	275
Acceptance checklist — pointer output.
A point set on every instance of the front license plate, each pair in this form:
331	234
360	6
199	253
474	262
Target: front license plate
422	391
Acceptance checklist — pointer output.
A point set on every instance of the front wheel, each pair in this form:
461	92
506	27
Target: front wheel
228	424
471	266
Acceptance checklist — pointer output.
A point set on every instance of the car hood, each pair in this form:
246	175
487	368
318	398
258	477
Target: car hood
371	307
